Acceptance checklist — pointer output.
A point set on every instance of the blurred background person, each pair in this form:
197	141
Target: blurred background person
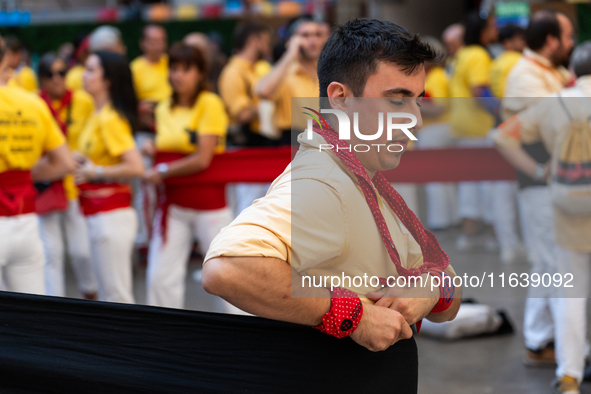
70	109
504	193
191	128
23	76
74	76
108	160
150	77
21	163
471	119
214	56
294	75
442	210
106	38
539	72
453	39
252	44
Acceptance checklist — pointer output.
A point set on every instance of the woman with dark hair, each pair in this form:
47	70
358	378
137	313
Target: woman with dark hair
471	118
108	161
190	130
71	110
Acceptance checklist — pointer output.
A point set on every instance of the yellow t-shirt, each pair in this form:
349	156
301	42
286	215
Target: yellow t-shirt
236	85
178	128
105	137
75	115
500	69
297	83
25	78
437	89
27	129
151	80
74	77
467	116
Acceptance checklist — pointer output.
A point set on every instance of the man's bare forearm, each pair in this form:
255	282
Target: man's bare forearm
263	286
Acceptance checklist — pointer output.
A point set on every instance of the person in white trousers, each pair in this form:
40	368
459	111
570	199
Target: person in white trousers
21	249
71	110
549	121
190	130
538	73
108	160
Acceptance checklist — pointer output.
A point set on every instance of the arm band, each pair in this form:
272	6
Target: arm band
344	315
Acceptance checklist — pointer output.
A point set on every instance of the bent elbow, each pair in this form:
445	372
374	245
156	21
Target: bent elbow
212	276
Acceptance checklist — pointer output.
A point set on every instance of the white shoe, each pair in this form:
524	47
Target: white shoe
466	242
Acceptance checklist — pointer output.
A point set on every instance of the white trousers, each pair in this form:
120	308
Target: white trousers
167	261
504	206
538	223
442	205
571	334
70	226
21	254
475	199
112	236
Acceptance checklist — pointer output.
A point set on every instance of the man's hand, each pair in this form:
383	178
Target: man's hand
294	47
153	177
414	303
380	328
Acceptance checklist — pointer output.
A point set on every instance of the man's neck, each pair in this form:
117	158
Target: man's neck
546	55
153	58
55	97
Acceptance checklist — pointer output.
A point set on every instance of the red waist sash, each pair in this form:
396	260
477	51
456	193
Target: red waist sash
17	193
103	197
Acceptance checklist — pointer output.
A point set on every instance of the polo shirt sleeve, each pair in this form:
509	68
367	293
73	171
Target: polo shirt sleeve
478	69
300	222
213	119
522	128
234	91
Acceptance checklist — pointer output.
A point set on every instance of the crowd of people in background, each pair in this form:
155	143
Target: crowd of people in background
115	130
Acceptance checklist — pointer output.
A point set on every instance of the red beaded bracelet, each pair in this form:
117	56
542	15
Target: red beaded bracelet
344	315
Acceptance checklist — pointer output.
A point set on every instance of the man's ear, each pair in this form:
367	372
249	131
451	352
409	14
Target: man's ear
552	42
338	95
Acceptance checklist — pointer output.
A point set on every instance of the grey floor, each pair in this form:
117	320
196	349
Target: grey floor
469	366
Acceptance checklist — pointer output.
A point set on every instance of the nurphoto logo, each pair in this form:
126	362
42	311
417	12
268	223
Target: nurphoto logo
344	128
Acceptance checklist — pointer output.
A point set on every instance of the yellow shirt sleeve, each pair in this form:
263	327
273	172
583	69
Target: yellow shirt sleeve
53	136
213	119
27	79
116	133
234	91
478	69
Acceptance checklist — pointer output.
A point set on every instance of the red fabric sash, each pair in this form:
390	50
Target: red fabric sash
186	191
103	197
17	193
435	260
65	101
52	199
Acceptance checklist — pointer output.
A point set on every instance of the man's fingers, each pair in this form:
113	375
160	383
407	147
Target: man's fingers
385	302
405	331
376	295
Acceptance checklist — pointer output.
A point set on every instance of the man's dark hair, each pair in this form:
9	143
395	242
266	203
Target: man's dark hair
473	28
45	64
542	24
245	30
353	51
293	24
13	44
507	32
122	93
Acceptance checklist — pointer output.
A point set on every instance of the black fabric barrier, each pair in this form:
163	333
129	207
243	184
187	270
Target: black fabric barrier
61	345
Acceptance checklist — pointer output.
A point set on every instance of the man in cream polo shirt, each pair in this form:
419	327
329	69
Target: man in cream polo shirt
317	221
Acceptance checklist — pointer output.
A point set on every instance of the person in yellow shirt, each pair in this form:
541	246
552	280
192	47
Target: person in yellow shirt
28	132
150	73
471	117
237	80
191	128
74	75
513	39
108	159
70	110
294	75
23	76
